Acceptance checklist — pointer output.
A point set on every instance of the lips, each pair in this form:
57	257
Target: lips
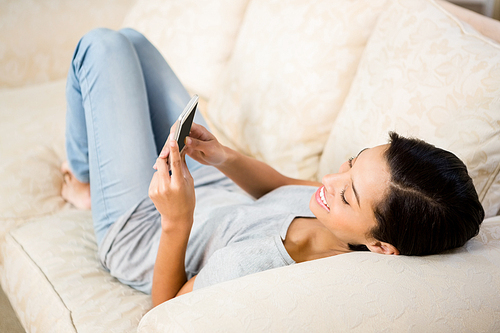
320	198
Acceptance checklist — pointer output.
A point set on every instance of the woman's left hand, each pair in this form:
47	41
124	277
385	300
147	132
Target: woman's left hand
203	146
173	195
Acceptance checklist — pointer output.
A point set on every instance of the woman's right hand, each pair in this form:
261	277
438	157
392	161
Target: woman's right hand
203	146
173	195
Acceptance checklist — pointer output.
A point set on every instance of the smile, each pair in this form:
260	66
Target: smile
320	198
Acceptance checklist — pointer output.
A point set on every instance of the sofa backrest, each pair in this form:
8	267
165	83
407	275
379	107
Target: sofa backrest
196	37
288	77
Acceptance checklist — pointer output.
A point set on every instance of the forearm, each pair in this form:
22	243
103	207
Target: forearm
253	176
174	198
169	273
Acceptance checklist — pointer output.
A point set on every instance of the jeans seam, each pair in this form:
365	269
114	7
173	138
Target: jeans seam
85	79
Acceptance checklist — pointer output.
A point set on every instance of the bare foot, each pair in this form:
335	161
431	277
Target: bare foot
74	191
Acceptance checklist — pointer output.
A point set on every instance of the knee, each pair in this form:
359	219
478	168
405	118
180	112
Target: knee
103	41
134	36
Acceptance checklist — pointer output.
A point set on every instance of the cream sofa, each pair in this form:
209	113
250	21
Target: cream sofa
300	84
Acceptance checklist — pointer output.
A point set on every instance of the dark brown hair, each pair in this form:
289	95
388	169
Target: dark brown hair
431	205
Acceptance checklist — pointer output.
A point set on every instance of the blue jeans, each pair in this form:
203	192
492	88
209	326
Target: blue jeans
122	99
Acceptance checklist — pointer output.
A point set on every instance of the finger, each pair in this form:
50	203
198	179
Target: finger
173	127
200	132
166	149
162	166
152	186
175	160
164	152
196	145
185	169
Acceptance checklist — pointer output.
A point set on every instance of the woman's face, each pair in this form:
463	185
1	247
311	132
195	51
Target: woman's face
345	203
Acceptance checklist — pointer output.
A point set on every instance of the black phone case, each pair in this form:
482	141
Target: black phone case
186	128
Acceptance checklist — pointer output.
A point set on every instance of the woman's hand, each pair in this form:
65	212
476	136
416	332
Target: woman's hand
173	196
202	146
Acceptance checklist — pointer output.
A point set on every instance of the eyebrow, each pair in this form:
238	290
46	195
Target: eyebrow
352	182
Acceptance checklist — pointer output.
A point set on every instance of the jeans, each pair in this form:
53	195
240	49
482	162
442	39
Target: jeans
122	99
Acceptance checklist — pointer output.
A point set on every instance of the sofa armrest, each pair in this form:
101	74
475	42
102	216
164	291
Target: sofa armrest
37	38
483	24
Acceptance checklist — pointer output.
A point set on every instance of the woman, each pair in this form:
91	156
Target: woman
221	215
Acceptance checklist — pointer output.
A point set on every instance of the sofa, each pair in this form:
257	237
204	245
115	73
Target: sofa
302	85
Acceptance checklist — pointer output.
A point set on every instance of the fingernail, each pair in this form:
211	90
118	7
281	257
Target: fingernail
172	143
154	167
188	140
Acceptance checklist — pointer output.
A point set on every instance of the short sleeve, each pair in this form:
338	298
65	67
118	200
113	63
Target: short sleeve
243	258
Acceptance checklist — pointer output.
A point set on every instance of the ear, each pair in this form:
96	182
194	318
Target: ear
382	248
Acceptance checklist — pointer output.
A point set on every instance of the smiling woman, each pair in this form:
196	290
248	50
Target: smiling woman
405	197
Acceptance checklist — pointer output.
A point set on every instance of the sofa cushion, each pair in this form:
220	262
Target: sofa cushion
195	37
355	292
425	74
31	151
288	76
53	278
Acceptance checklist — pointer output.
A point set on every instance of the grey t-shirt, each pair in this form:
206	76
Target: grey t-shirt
233	235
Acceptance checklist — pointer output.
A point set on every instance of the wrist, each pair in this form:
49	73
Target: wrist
176	226
229	158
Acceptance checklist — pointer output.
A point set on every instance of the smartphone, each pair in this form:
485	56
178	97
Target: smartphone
185	122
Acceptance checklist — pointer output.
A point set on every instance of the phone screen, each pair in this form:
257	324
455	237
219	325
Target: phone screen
185	126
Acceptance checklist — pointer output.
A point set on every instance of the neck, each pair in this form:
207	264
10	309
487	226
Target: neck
308	239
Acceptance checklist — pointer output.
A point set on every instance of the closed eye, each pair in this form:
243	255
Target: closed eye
342	196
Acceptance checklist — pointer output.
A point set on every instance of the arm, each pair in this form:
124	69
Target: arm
174	198
255	177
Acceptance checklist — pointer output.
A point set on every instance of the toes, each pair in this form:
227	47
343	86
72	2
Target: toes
65	167
67	178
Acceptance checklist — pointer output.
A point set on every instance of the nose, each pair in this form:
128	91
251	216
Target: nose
333	181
